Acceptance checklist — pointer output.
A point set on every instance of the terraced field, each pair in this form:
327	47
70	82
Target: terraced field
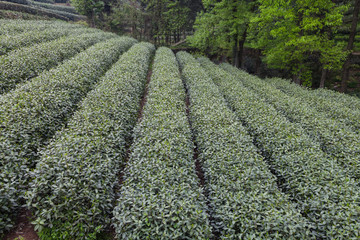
103	137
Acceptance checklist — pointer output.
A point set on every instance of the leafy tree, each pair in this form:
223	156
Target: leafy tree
169	18
223	26
89	8
129	15
350	45
291	31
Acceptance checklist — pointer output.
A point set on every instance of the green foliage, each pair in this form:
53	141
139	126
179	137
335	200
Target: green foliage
338	141
58	8
78	171
13	27
89	8
345	110
221	25
242	191
323	191
23	64
160	197
29	8
290	31
12	42
345	100
169	17
31	114
127	14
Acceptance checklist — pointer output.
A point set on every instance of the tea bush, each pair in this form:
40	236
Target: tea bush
31	114
73	190
25	63
325	194
160	197
243	193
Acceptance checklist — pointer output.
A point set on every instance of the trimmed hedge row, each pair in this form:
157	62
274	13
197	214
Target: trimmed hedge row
73	192
13	27
46	1
31	114
59	8
55	9
160	197
322	101
336	139
31	10
242	191
12	42
323	191
24	2
25	63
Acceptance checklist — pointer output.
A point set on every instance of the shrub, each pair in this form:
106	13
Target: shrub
31	114
336	106
14	27
323	191
28	9
160	197
60	8
243	193
45	1
23	64
77	173
335	138
12	42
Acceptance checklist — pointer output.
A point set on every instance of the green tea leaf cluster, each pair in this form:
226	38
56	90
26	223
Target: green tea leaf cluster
335	138
31	114
23	64
243	193
74	190
325	194
12	42
160	197
344	109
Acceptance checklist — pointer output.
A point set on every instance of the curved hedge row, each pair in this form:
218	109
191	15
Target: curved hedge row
73	192
23	64
323	191
31	10
322	101
46	1
24	2
242	191
12	42
13	27
160	197
331	96
335	139
31	114
58	8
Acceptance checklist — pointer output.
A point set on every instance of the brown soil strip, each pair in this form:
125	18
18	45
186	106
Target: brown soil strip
146	92
23	228
200	171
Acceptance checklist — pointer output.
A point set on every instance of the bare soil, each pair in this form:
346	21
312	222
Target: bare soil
23	229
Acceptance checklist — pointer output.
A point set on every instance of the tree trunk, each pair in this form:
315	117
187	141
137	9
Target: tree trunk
235	53
345	74
241	49
258	62
323	78
296	79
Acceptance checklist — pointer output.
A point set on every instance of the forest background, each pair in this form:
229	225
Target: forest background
314	43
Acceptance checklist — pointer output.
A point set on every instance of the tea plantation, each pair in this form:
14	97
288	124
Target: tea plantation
105	137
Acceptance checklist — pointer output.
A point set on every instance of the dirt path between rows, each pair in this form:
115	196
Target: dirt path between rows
23	229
